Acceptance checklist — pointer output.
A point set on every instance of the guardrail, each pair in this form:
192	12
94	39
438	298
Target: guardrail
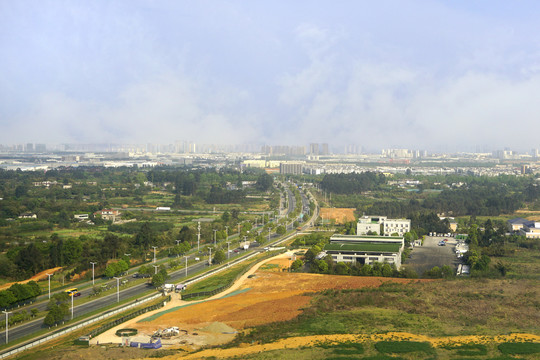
75	327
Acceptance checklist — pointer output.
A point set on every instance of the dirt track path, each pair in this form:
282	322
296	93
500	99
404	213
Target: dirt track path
109	337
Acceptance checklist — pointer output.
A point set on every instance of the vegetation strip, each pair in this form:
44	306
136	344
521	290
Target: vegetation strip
530	341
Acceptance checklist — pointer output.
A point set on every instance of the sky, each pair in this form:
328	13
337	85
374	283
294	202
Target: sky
418	74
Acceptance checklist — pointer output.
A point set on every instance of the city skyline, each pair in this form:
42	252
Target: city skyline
428	75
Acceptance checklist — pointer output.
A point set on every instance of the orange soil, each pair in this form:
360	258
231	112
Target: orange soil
340	215
40	276
273	296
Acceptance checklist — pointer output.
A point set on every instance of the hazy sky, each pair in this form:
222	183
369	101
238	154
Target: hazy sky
413	74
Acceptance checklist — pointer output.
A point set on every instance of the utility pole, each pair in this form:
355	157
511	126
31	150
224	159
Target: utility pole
198	236
227	233
210	257
117	289
93	263
215	231
177	244
72	297
155	268
228	252
155	247
128	255
49	275
186	265
7	325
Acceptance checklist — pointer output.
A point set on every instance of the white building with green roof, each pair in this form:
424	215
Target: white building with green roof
366	249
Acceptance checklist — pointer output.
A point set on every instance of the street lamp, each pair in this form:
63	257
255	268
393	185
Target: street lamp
49	275
228	252
186	265
72	297
227	233
198	236
117	289
93	263
155	267
215	237
128	255
7	325
155	247
177	244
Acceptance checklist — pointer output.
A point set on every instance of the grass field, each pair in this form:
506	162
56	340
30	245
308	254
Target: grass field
443	308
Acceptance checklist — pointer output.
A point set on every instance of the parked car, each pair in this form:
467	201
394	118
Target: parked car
442	243
77	294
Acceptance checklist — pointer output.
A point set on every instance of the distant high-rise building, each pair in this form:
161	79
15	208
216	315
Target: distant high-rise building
314	149
29	147
41	148
324	149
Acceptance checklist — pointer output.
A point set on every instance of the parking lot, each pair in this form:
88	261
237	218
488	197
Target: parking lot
430	254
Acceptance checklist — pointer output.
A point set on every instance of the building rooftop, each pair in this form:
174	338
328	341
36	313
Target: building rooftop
365	237
364	247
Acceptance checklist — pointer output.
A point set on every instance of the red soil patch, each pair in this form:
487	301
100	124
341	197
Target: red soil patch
39	276
339	215
273	296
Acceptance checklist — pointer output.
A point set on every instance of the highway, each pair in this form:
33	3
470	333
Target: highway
30	327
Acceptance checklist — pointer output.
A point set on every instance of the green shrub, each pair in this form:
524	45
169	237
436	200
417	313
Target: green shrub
519	348
403	346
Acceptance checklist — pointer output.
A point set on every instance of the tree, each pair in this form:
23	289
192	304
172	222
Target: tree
226	217
280	230
219	257
264	182
7	298
342	269
387	270
158	280
297	264
145	237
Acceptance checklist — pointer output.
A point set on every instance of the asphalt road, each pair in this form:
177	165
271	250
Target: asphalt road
28	328
431	254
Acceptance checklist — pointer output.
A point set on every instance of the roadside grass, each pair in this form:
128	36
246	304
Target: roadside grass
217	281
269	267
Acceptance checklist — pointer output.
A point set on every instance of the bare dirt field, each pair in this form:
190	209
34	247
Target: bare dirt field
40	276
260	297
339	215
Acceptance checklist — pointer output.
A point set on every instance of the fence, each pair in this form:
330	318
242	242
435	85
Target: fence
75	327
